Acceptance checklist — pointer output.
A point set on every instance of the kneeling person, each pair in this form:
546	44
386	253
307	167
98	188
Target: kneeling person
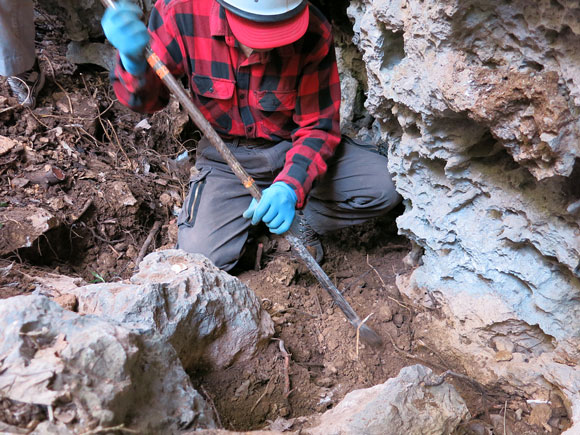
264	74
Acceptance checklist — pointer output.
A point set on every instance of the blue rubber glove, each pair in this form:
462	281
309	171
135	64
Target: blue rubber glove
276	208
128	34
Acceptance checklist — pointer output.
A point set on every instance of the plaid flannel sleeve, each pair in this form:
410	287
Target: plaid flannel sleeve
317	115
147	93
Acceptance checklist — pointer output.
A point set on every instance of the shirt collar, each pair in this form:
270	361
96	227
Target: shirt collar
219	25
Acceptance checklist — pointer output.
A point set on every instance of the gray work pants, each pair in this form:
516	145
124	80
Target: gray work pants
16	36
356	187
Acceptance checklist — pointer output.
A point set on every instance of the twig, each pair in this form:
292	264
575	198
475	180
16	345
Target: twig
100	118
317	302
28	91
70	105
100	429
286	356
385	287
361	276
439	380
96	236
154	230
410	355
212	404
118	142
259	252
358	332
261	397
433	351
6	109
284	310
504	416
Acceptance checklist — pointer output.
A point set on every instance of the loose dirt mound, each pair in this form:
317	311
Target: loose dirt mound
116	177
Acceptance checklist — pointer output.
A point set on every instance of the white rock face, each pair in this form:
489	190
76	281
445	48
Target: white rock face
211	318
480	103
91	373
402	405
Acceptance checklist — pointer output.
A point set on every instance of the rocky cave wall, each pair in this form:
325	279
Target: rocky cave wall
478	102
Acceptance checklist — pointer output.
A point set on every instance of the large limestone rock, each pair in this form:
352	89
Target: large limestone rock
402	405
87	373
479	103
211	318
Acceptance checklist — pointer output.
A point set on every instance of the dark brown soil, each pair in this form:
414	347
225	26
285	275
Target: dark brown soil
119	180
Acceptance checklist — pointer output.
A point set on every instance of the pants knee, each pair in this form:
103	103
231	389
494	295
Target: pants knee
388	198
220	256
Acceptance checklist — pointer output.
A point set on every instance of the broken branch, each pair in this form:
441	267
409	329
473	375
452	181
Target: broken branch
154	230
286	356
358	332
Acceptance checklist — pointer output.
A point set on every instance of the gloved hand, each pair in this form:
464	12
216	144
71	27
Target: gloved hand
128	34
276	208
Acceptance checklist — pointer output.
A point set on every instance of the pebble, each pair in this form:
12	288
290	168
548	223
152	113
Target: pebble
398	320
385	313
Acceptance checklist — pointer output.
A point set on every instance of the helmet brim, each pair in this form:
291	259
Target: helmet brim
267	35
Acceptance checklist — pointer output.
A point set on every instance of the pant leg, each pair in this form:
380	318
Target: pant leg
16	36
356	187
211	221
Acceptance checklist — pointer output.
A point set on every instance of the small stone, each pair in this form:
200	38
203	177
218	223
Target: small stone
166	200
242	390
385	313
540	415
503	343
132	251
503	355
331	369
67	301
398	320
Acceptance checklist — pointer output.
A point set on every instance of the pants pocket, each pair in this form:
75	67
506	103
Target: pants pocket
193	199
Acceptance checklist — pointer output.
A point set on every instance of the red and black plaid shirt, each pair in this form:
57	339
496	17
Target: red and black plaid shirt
292	92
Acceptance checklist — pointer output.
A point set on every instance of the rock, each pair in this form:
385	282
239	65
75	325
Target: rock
503	344
7	144
398	320
211	318
402	405
122	195
503	355
498	421
67	302
103	55
23	226
385	312
540	415
93	372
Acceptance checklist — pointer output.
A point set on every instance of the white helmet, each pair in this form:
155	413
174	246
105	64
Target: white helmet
264	11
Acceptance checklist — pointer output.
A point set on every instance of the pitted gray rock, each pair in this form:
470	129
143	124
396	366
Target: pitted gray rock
87	372
402	405
211	318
